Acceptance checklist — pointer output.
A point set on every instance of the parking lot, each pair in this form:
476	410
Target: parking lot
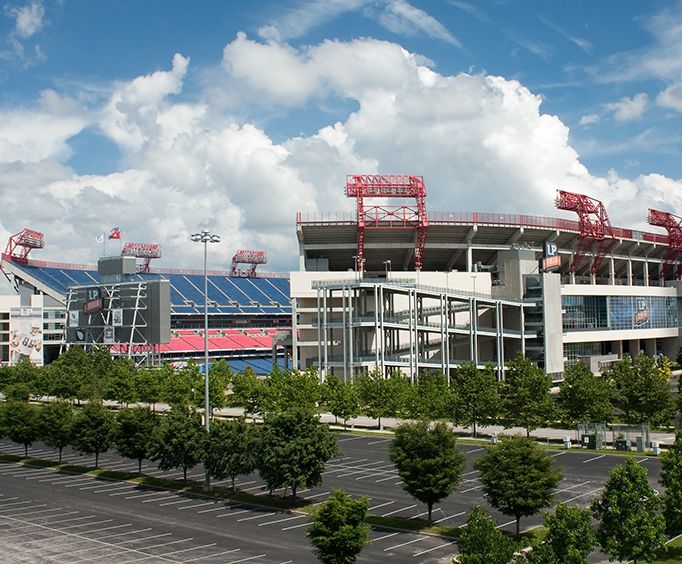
45	515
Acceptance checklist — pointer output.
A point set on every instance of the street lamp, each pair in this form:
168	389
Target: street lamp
205	237
387	267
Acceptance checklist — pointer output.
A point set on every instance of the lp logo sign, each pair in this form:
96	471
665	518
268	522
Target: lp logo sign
550	250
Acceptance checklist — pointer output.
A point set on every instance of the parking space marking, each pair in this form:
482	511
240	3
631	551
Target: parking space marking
197	505
398	510
222	507
450	517
559	453
256	517
434	548
379	441
584	494
388	536
126	533
573	487
212	555
189	549
175	502
505	524
2	507
350	439
363	469
381	505
316	495
281	520
472	489
295	527
36	512
475	450
245	559
233	513
384	479
405	543
593	459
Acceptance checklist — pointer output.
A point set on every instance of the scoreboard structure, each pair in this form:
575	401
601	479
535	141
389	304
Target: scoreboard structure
130	317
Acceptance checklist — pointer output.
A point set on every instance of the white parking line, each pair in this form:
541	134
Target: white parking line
187	549
475	450
364	469
316	495
559	453
573	487
295	527
212	555
592	459
176	502
584	494
75	551
381	505
472	489
505	524
399	510
384	479
256	517
245	559
349	439
233	513
432	549
405	543
281	520
450	517
36	512
388	536
125	533
379	441
222	507
197	505
2	507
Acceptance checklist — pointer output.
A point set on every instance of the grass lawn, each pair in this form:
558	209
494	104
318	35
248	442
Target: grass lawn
673	554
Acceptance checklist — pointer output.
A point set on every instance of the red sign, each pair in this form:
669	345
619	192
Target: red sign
551	263
92	306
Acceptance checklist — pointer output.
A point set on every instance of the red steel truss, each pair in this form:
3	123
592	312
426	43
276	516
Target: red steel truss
145	251
20	245
673	225
361	186
594	225
252	258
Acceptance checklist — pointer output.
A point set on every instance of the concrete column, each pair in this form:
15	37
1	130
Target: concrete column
646	272
612	271
470	255
629	271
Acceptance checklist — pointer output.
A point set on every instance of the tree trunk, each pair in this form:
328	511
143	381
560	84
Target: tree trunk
184	474
96	460
380	423
344	424
25	450
474	428
518	526
61	449
139	467
429	505
527	433
233	485
293	491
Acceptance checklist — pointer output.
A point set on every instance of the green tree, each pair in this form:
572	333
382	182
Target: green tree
231	449
73	376
181	388
584	397
291	389
643	389
629	526
219	378
477	393
518	478
526	395
62	377
122	382
570	537
343	399
430	398
295	447
20	422
149	385
135	434
671	478
427	460
56	425
247	392
338	530
23	380
93	430
481	542
181	441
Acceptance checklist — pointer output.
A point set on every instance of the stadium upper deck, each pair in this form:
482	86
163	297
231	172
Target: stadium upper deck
461	240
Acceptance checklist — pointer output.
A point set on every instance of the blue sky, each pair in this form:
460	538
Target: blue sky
165	117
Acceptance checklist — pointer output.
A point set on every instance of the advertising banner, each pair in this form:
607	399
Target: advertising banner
26	335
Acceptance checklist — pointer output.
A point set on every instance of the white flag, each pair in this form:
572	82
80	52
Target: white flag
100	238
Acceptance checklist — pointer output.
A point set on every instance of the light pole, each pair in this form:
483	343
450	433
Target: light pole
206	237
387	267
474	279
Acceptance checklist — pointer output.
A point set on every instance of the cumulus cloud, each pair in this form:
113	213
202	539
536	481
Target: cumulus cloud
482	143
29	19
589	119
671	97
628	109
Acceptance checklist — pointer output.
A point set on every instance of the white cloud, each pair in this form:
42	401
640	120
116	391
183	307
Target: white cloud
402	18
628	109
482	143
29	19
589	119
671	97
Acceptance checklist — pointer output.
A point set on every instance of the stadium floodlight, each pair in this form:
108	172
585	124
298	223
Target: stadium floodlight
206	237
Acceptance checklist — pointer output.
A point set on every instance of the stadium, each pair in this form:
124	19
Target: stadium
389	287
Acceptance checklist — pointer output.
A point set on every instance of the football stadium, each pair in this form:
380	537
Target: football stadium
388	286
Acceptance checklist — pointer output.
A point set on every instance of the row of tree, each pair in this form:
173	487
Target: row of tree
518	479
636	390
289	451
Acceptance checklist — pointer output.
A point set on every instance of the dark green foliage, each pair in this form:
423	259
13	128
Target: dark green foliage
20	381
477	395
247	392
20	422
182	388
643	389
149	385
428	461
584	397
72	376
430	398
181	440
518	478
285	390
381	397
630	527
341	398
570	537
231	450
526	395
135	434
294	449
671	478
122	381
219	378
338	530
481	542
56	425
93	430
